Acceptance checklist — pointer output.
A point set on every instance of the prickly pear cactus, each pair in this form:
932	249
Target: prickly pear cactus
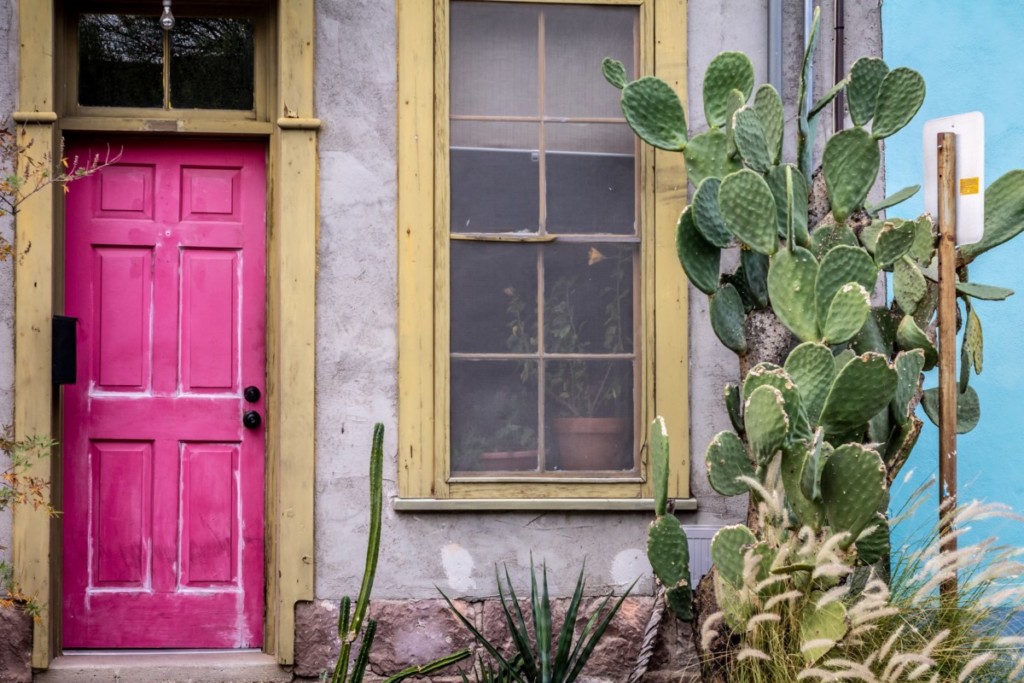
816	442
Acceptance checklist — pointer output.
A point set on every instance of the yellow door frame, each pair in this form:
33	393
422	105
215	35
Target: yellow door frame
291	292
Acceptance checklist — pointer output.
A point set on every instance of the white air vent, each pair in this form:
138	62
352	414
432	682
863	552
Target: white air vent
700	550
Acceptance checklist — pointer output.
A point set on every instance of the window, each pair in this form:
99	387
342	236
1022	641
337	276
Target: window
537	265
125	60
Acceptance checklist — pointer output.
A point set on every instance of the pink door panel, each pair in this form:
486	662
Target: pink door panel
163	486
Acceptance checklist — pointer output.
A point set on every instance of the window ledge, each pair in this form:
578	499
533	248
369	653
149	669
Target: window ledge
503	504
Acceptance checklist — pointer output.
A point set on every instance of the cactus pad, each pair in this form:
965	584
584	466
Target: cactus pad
827	623
792	279
707	215
728	71
767	424
751	141
909	365
768	105
813	368
658	450
873	544
728	548
777	182
700	260
655	113
728	319
866	76
817	455
968	408
614	72
910	336
827	237
726	460
894	240
900	95
864	386
794	461
707	157
733	104
908	285
852	487
1004	213
668	551
755	275
850	163
842	265
849	310
748	208
923	249
767	374
974	341
680	601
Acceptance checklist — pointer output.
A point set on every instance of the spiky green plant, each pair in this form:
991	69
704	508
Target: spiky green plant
541	657
820	432
353	624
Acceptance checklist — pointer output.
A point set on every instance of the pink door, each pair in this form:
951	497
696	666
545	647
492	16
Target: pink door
163	484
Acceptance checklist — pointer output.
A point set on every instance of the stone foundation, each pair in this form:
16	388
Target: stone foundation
417	631
15	646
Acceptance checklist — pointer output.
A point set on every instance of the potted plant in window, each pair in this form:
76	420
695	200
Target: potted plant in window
589	401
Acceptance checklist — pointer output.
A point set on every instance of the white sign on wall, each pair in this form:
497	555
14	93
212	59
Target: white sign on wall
970	172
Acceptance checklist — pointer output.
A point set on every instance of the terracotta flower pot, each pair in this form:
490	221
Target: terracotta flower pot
513	461
592	443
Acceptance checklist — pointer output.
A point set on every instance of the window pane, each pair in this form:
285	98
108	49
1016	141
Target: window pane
589	408
588	298
495	177
494	59
494	416
212	63
591	178
120	61
577	38
494	298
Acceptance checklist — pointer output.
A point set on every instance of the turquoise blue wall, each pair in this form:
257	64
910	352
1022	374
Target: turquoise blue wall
972	57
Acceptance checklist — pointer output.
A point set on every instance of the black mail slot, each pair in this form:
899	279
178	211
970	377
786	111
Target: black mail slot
65	365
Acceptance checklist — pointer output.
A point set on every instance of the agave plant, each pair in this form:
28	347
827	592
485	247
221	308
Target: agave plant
538	658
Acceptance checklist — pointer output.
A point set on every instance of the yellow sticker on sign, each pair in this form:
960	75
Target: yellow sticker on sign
969	186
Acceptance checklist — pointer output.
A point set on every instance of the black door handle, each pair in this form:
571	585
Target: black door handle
251	394
251	419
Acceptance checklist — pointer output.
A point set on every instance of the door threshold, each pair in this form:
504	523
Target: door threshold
163	666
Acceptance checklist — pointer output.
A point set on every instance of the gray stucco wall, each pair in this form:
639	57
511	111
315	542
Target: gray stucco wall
357	318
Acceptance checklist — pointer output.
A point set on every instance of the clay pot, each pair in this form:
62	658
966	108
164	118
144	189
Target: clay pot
592	443
508	461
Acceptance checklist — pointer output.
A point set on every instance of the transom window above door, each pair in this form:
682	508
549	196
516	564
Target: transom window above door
119	58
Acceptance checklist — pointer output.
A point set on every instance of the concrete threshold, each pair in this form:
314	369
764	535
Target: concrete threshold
165	667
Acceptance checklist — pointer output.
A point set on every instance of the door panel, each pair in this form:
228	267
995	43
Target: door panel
163	486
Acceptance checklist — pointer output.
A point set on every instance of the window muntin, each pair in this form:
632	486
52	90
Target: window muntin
127	60
545	256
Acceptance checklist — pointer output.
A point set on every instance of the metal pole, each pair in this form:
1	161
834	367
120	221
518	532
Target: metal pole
839	70
775	43
947	352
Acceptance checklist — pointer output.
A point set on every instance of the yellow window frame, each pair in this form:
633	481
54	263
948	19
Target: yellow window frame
423	382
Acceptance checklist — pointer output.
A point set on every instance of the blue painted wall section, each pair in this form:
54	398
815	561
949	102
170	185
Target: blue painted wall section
970	54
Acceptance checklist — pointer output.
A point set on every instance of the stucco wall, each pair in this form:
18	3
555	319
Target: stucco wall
8	97
357	317
969	55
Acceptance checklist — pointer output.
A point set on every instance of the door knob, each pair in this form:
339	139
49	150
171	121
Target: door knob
251	394
251	419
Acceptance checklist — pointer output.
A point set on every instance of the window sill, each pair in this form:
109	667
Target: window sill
550	504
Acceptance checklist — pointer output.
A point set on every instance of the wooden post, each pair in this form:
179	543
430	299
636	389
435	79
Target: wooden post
947	351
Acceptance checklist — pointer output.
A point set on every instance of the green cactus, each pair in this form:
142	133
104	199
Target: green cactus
873	544
852	487
751	141
726	461
850	163
900	95
1004	214
908	365
767	374
707	215
728	548
768	105
727	319
733	405
813	368
776	179
968	408
755	275
824	623
748	207
840	266
700	260
910	336
818	453
866	76
764	415
733	103
726	72
614	72
655	113
846	316
908	285
825	238
863	387
894	241
792	279
707	156
667	546
795	461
